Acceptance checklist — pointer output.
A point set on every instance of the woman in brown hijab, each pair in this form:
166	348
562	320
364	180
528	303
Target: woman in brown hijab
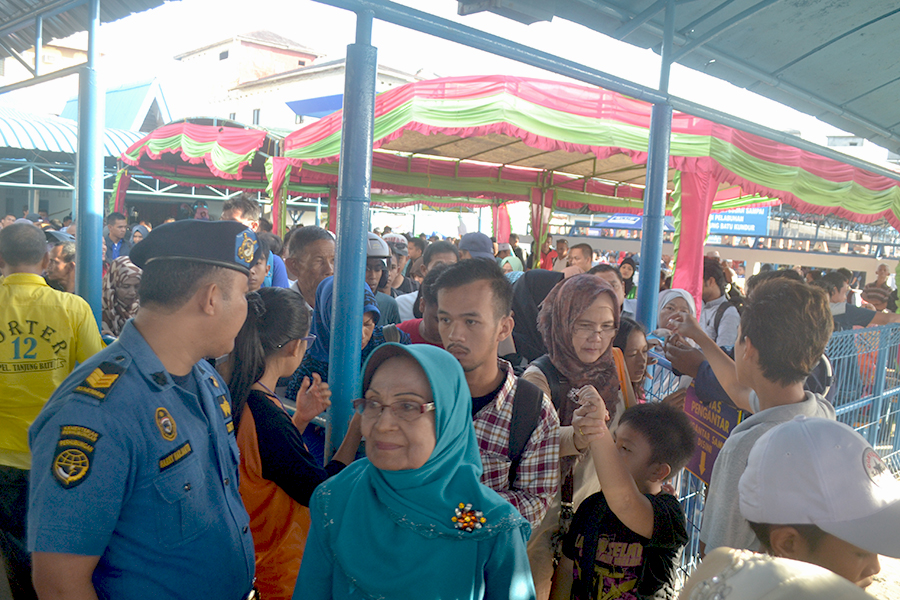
578	322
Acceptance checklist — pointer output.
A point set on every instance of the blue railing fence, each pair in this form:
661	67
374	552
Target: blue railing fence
866	396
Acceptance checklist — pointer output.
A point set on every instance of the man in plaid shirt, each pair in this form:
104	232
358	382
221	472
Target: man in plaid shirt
474	315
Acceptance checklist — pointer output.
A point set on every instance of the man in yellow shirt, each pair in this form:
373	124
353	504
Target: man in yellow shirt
44	333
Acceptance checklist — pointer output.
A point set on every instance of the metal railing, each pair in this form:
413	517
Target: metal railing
865	393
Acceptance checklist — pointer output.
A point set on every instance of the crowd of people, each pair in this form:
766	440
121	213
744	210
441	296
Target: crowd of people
501	445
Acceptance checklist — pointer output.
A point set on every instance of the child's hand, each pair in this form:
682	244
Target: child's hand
313	397
589	419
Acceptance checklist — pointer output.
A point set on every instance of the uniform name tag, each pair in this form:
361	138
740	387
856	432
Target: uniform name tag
179	454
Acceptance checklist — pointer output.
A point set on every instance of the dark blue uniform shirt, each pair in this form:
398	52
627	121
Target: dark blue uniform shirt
134	469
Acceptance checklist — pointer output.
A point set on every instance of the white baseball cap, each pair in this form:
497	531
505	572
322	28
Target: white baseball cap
821	472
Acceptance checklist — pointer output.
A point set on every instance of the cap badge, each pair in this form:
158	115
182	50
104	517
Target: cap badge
246	247
875	467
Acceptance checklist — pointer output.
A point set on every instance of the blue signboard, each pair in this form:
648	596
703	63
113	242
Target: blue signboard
740	221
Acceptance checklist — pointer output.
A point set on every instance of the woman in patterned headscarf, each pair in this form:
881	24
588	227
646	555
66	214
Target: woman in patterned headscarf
578	322
120	295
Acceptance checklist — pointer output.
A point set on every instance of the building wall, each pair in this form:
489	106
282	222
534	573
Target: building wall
256	61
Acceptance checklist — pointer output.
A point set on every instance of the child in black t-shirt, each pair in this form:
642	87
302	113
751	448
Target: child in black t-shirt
624	542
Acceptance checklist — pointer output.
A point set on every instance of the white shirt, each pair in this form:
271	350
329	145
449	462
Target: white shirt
726	335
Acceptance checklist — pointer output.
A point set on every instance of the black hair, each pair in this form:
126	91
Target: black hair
428	289
712	269
584	249
845	273
265	226
667	429
22	244
419	243
438	248
115	216
607	269
246	204
789	324
304	236
263	249
762	276
272	241
563	240
169	284
830	282
626	327
513	236
275	316
811	533
477	269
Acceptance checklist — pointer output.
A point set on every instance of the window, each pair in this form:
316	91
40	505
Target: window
256	116
232	116
298	119
844	140
302	63
223	55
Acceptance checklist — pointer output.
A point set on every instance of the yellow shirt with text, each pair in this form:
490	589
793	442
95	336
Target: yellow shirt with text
44	333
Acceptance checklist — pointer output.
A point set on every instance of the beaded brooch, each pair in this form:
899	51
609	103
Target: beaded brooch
468	519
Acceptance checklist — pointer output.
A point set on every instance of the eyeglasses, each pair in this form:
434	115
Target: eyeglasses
405	411
588	330
308	339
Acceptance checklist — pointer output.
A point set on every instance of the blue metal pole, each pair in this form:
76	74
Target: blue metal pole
354	189
655	192
38	44
89	199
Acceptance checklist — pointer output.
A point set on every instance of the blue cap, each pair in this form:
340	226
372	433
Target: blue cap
227	244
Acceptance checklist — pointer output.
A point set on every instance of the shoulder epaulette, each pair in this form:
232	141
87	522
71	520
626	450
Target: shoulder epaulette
101	380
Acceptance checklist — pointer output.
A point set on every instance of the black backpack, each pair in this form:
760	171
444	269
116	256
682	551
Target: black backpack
526	414
738	304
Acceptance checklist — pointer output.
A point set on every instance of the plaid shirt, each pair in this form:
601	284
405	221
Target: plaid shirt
537	479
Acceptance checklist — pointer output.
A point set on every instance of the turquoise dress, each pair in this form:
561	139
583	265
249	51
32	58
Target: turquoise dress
391	535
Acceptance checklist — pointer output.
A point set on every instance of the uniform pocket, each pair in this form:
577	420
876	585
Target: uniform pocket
182	511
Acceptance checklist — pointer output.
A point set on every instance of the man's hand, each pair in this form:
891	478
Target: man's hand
313	398
685	359
676	399
685	325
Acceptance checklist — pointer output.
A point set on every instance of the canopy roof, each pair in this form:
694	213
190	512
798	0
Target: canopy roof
834	60
498	138
204	151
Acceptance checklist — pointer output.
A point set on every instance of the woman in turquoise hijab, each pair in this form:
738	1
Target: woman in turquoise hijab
412	520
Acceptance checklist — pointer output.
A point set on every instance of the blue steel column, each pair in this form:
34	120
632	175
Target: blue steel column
655	193
89	200
354	179
38	44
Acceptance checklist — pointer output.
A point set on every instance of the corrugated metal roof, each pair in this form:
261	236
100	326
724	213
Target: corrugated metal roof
54	134
126	107
833	59
61	18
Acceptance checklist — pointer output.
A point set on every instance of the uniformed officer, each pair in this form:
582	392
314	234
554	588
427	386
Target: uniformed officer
134	489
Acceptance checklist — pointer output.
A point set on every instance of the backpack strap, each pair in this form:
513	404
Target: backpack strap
391	333
553	376
720	311
526	415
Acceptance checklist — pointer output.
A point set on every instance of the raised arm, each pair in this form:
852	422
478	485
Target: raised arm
721	363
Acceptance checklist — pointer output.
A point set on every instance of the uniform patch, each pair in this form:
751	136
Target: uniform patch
179	454
166	424
74	453
101	380
875	467
225	405
245	247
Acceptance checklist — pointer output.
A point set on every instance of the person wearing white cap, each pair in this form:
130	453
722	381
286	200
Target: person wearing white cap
814	490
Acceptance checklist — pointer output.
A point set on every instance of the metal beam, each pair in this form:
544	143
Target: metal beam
45	12
73	70
475	38
16	56
354	196
89	199
721	28
38	43
645	15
